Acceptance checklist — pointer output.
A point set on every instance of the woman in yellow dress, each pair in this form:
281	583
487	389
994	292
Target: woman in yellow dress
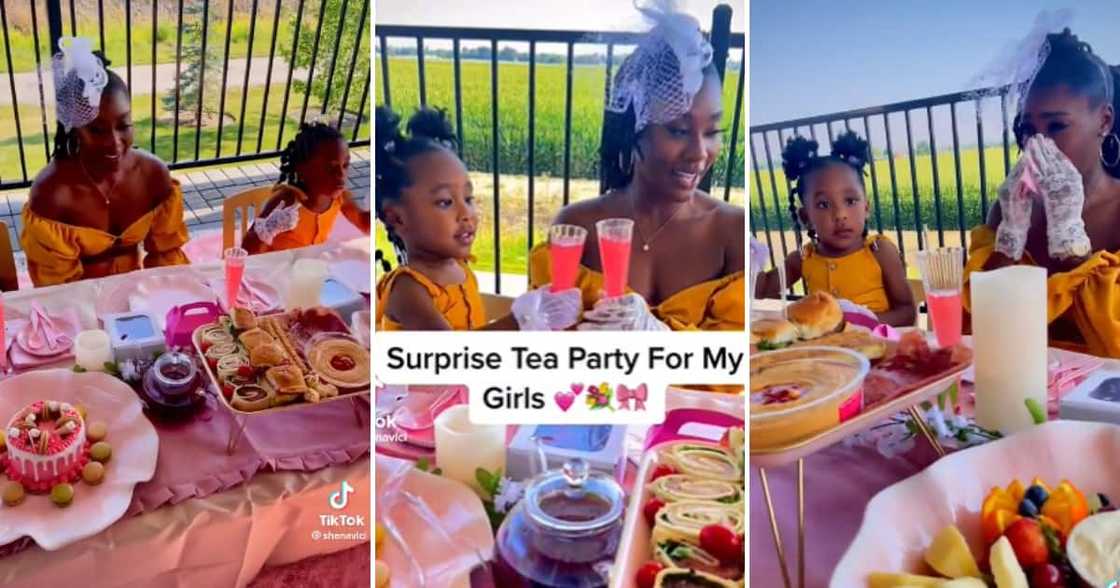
662	135
98	199
1060	205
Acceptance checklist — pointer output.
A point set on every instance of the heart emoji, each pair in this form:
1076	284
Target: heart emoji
564	400
577	388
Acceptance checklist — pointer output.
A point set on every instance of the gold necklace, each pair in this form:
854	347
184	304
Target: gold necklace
647	242
96	187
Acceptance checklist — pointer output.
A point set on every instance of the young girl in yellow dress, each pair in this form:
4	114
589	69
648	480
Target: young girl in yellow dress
425	200
310	195
828	197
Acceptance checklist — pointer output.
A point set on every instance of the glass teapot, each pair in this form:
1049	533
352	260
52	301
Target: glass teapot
564	532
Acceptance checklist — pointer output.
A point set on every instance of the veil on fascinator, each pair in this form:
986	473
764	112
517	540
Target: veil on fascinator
79	78
664	73
1018	64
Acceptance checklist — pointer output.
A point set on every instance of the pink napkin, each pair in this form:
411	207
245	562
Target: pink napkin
43	336
39	329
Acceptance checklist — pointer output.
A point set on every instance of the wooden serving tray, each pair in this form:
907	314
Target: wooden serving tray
907	398
196	338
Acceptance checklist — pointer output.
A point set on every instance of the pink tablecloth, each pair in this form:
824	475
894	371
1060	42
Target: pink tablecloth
839	482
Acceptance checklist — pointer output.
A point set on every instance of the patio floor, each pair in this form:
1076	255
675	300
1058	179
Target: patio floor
204	190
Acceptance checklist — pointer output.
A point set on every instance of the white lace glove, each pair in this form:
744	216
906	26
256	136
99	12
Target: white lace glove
1063	194
624	313
542	310
1015	205
281	220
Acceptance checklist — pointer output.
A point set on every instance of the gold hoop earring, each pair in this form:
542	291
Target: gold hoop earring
1115	160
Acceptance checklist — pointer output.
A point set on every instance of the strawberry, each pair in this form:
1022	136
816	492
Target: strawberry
649	511
662	470
246	371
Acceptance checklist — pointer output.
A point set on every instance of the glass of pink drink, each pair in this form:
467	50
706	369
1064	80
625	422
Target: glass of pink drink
942	270
565	249
615	236
235	269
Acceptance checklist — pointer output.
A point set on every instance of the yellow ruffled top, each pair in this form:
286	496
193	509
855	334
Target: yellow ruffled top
1088	295
313	228
856	277
55	250
715	305
460	304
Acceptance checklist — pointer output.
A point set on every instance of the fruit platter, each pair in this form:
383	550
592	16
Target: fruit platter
1016	513
284	360
684	526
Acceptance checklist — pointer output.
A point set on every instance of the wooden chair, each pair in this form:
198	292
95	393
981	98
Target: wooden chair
496	306
9	281
249	203
918	290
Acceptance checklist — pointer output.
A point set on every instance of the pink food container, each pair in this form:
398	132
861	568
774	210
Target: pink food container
183	320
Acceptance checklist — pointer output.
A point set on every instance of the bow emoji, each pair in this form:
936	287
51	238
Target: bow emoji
638	395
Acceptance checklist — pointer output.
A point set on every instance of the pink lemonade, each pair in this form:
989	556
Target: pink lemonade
945	315
235	269
565	264
615	258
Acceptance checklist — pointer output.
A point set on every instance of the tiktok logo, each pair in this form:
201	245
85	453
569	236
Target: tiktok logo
338	500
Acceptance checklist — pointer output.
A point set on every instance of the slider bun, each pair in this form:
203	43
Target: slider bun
773	331
816	315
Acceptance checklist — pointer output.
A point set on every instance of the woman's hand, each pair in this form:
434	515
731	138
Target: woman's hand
623	313
544	310
1015	205
1063	195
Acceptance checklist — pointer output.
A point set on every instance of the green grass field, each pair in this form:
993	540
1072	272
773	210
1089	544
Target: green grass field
513	113
116	40
950	218
32	129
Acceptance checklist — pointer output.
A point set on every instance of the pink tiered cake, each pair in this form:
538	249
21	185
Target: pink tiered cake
46	445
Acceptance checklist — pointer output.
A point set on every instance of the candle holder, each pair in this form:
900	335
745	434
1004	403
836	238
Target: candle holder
463	447
92	350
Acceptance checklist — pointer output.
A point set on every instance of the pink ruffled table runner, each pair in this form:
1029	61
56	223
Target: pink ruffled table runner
193	462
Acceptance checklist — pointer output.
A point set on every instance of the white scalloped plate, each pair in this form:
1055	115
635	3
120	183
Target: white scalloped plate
135	451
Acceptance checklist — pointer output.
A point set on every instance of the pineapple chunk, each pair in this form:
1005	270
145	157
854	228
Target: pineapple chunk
1005	566
884	580
950	556
964	583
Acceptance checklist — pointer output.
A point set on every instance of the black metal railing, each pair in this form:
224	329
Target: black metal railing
721	38
180	132
907	190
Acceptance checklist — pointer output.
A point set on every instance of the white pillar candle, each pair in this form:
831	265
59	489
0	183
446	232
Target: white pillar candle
463	447
92	350
307	280
1009	339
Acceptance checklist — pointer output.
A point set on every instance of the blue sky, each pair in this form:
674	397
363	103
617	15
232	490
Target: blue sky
819	56
537	14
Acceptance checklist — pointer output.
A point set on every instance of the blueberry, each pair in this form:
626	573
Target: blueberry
1105	502
1037	494
1028	508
